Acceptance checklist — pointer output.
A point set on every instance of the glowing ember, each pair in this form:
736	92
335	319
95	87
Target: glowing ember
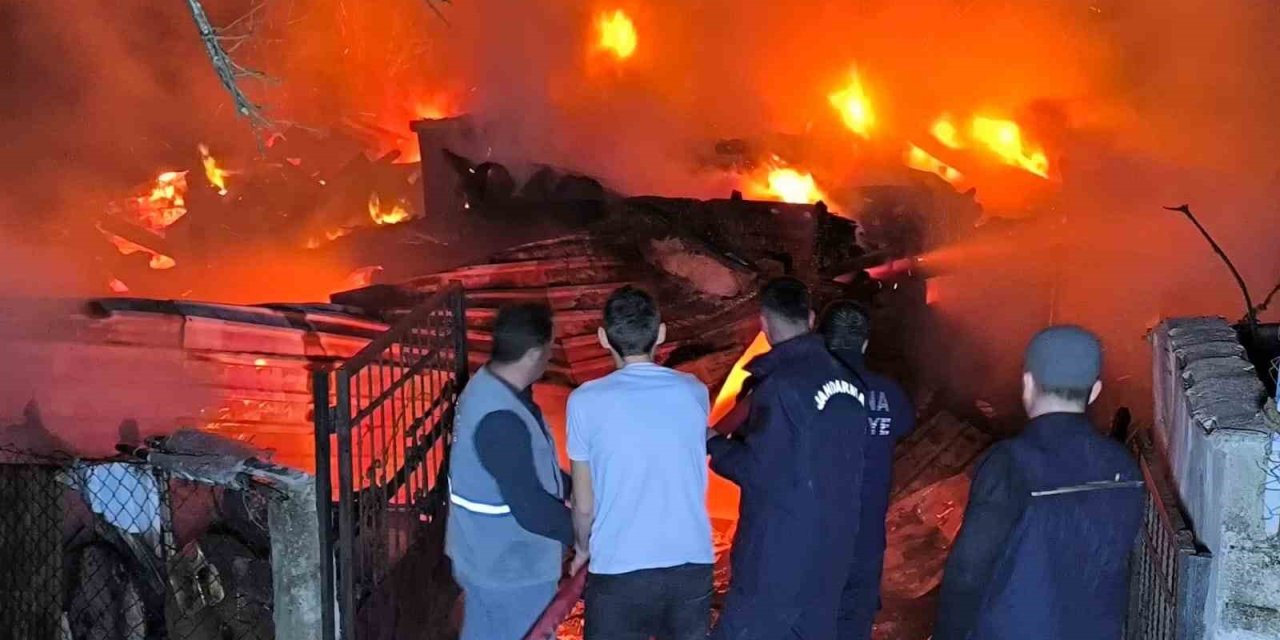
733	384
617	34
216	175
161	262
164	205
127	247
945	131
1004	138
117	286
260	362
789	185
329	236
854	106
430	111
362	277
124	246
919	159
394	215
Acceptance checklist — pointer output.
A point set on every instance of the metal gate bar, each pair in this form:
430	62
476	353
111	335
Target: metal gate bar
1168	572
389	409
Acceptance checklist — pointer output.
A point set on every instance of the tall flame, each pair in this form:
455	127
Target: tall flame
854	106
617	34
921	160
789	185
394	215
216	175
945	131
1004	138
733	384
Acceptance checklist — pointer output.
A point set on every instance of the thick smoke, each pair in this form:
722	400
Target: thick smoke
1141	104
64	388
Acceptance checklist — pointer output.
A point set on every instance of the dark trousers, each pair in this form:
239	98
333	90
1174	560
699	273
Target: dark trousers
668	604
859	604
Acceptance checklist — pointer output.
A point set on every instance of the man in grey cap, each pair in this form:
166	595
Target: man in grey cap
1053	514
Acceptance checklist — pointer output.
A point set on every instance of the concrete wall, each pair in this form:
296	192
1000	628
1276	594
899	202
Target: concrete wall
1208	402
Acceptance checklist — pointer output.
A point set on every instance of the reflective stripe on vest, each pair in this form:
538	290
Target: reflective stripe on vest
1090	486
477	507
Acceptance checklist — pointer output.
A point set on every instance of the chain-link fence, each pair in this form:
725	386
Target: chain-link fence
121	550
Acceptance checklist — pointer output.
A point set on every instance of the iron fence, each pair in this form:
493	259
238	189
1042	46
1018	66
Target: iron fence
1168	571
118	549
383	425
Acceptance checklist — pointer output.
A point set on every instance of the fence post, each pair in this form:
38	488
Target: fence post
346	510
462	369
297	573
323	420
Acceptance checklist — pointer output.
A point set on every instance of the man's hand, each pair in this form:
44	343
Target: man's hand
580	559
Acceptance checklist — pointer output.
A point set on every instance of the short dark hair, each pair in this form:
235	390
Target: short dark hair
1069	394
631	321
845	324
787	298
519	328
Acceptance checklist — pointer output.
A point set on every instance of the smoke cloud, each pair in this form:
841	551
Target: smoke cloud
1140	104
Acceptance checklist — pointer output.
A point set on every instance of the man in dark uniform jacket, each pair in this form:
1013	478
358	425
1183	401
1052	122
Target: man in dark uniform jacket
1053	514
846	328
799	467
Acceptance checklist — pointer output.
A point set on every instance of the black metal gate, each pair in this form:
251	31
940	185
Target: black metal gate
389	412
1169	575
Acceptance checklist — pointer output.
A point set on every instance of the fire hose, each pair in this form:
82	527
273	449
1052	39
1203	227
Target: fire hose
561	606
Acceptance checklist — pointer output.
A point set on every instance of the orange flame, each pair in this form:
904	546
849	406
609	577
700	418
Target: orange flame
733	384
945	131
919	159
789	185
395	215
854	106
216	175
315	242
165	204
1004	138
617	34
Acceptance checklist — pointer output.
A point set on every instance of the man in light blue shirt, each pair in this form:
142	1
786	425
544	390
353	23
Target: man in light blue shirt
637	440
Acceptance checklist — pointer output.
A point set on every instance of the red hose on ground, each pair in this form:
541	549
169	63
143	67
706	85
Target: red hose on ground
560	608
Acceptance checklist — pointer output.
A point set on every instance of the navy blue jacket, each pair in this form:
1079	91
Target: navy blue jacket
1030	560
892	417
799	467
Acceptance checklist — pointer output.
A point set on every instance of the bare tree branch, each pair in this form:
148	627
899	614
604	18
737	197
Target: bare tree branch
229	71
1262	306
434	5
1251	316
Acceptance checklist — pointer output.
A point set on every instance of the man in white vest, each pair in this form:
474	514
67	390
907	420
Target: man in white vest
509	524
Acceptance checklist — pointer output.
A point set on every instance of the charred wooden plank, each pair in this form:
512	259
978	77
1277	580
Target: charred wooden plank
527	274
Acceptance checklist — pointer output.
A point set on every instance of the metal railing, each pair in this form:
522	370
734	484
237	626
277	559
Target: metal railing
389	413
1168	573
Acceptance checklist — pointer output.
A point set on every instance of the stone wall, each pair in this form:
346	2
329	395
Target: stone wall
1208	419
